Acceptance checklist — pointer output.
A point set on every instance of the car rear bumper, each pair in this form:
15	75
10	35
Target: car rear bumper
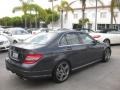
20	71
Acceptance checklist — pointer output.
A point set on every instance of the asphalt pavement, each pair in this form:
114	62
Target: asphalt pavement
100	76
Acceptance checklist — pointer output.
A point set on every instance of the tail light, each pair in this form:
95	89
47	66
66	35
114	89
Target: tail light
96	36
32	58
33	33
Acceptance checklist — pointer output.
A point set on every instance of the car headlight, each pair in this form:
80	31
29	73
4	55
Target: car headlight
5	42
21	40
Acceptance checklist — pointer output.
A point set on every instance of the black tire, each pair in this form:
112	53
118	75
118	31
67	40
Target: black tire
61	72
106	56
107	41
14	42
21	77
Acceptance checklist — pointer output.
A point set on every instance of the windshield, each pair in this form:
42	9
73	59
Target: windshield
19	32
16	31
42	38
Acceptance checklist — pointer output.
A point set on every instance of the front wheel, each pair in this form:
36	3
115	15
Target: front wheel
61	72
107	41
14	42
106	56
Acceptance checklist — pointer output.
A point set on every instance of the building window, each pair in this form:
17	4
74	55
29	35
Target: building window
89	26
108	26
75	16
116	14
93	15
103	14
100	26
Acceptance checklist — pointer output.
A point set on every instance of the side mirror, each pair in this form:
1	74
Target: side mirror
95	42
9	34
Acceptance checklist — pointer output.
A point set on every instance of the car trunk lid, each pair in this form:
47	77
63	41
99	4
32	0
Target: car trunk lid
18	52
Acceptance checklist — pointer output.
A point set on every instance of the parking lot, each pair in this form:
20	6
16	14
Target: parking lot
100	76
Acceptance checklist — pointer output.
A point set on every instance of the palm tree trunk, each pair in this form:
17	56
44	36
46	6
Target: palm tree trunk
52	14
61	19
83	10
30	19
112	13
36	21
25	22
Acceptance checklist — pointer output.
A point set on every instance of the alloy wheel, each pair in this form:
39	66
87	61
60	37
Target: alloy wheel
107	55
62	71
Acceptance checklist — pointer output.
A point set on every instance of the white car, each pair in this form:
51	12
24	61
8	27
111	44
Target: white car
4	43
16	35
40	30
109	37
1	30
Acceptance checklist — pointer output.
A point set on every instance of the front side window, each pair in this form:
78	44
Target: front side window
86	39
6	32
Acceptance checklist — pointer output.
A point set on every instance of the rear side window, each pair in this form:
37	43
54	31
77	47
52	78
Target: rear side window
72	39
63	41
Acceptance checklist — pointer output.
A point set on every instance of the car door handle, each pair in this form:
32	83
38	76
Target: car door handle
68	48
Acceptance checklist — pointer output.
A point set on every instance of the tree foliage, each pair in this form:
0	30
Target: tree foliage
114	4
49	16
38	14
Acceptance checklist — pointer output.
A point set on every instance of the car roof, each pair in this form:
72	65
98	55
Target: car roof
64	31
14	29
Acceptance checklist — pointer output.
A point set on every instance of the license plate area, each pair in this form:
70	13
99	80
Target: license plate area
15	55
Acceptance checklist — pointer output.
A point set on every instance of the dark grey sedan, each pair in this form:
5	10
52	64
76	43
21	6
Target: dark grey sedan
55	54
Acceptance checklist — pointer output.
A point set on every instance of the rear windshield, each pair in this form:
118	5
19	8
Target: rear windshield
42	38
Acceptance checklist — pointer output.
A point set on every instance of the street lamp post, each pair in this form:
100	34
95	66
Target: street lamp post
52	11
96	17
61	16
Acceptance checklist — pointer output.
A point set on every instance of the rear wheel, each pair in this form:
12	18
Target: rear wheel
61	72
106	56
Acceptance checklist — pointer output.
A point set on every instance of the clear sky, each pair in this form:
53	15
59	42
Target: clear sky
6	6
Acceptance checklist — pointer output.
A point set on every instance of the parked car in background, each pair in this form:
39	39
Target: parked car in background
108	36
1	30
85	30
4	43
30	30
40	30
16	35
56	54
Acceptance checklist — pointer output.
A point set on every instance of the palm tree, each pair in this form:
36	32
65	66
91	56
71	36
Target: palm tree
84	7
114	4
64	7
30	1
40	13
22	8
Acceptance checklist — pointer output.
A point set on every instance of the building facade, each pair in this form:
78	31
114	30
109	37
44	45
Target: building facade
103	15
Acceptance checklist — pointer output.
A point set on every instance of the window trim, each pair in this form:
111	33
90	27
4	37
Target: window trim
67	42
89	37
